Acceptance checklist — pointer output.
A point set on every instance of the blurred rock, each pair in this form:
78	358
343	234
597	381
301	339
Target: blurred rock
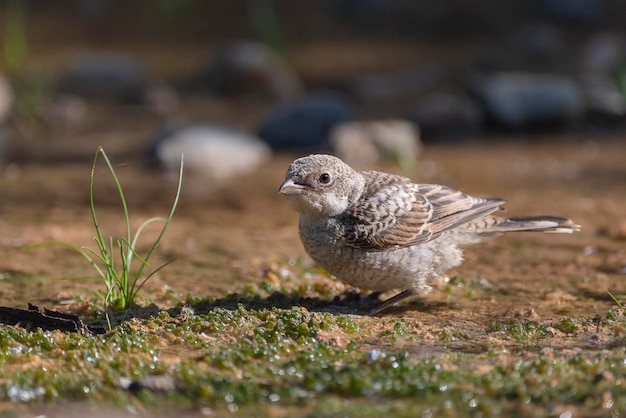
603	54
361	144
518	100
211	151
248	69
447	115
396	84
304	125
106	77
603	97
6	98
602	62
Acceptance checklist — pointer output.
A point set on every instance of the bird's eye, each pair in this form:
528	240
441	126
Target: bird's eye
324	178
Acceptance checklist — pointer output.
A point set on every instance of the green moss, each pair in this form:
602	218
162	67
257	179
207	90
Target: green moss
568	326
399	327
613	314
447	335
313	363
347	323
521	331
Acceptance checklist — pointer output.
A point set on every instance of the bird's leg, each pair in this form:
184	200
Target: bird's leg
390	302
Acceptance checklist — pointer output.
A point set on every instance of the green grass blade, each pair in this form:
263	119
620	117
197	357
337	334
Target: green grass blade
138	288
133	244
617	302
120	191
167	220
99	238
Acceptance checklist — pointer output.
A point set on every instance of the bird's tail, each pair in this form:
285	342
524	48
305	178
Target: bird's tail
554	224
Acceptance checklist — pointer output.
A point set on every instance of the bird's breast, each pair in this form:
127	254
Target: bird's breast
395	268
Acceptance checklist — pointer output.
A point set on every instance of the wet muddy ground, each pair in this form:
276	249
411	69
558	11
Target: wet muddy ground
231	235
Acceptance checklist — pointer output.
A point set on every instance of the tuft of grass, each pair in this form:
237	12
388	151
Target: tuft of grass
122	281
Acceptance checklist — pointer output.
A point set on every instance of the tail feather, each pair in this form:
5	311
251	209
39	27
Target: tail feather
554	224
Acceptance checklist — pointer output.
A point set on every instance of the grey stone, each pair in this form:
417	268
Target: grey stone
305	124
211	151
363	143
518	99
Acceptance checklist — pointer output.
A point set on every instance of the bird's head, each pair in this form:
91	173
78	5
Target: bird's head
321	185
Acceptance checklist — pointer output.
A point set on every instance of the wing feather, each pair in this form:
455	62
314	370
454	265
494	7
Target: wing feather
394	212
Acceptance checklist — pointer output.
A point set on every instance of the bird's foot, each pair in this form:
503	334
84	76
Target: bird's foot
372	305
387	303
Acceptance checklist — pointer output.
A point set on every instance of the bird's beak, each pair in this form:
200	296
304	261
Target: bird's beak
290	188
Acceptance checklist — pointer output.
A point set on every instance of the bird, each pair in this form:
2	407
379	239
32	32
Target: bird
383	232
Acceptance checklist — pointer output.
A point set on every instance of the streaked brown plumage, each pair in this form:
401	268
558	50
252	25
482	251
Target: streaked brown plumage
381	232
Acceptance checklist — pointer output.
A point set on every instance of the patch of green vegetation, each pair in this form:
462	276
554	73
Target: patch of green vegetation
348	323
614	314
399	327
449	334
316	363
521	331
568	326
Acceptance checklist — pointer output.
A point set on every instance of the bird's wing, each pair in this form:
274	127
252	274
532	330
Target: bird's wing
393	212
